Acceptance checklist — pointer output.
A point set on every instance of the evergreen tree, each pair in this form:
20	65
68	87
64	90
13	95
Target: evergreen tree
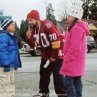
90	9
50	13
17	35
23	29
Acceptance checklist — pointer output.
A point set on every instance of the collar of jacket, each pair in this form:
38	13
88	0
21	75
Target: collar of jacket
4	31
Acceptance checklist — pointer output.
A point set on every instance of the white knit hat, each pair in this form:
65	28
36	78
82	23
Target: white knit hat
76	10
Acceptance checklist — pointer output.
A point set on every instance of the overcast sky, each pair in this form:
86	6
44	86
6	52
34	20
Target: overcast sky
18	9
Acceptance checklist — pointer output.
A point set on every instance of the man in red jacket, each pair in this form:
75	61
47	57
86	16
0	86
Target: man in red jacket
47	35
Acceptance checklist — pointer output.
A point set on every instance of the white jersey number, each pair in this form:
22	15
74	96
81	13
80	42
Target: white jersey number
53	36
44	40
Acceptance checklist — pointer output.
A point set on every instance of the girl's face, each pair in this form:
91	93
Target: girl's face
70	19
11	28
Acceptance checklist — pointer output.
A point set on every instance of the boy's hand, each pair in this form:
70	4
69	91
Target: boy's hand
6	68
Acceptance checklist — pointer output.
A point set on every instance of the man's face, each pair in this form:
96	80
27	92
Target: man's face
32	22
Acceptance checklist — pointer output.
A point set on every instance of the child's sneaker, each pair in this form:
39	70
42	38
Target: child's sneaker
38	95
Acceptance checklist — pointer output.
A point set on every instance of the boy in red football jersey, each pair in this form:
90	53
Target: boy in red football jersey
48	36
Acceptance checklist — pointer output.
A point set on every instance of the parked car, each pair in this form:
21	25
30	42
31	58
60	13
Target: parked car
33	51
90	43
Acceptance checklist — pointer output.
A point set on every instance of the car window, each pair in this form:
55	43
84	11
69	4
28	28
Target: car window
90	38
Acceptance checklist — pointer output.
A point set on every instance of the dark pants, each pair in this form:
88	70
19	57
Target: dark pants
58	79
74	86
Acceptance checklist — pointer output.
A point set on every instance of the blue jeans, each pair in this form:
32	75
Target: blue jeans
74	86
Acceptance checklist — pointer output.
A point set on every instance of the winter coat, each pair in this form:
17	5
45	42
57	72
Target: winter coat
9	52
75	49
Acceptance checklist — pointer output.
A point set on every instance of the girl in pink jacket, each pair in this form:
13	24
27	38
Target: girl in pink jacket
75	49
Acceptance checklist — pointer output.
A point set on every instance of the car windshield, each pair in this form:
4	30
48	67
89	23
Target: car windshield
90	38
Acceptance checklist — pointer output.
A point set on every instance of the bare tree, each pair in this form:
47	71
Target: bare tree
62	10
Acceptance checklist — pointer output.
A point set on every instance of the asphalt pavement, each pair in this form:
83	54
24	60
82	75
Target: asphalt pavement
27	78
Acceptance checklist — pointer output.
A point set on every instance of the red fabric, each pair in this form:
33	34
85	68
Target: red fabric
48	34
31	42
34	14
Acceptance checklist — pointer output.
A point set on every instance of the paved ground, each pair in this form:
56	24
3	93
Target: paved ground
27	78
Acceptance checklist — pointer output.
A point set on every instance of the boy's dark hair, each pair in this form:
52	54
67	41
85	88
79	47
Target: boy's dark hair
5	23
72	24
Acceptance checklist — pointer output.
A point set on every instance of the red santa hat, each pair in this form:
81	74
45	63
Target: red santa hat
34	14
